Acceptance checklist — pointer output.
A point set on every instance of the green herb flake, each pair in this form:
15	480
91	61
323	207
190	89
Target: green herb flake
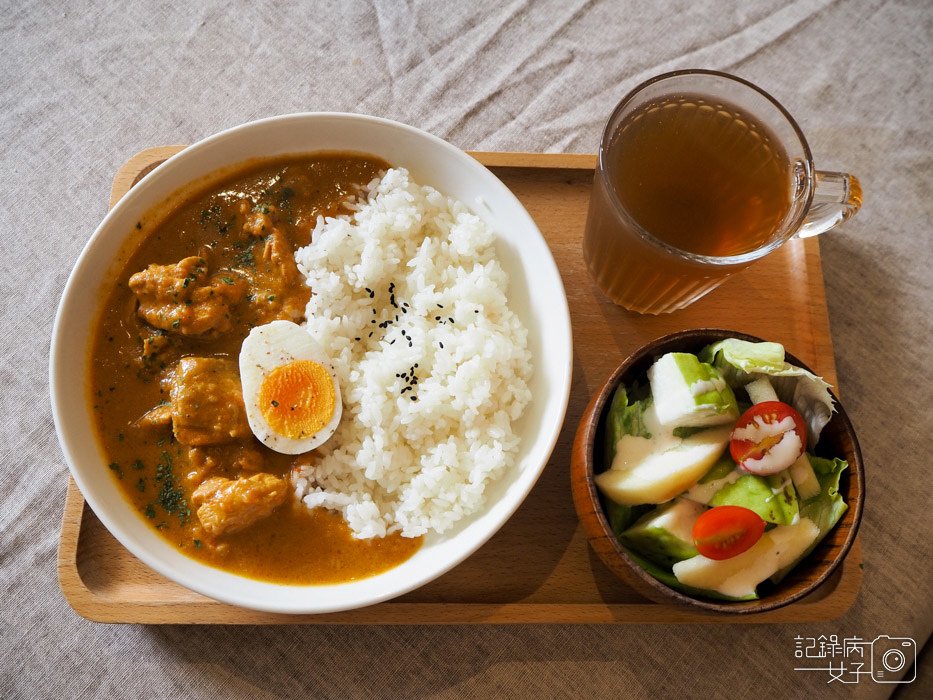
275	403
115	468
171	497
164	466
175	324
120	437
245	258
197	544
138	464
141	485
226	280
271	297
150	511
207	214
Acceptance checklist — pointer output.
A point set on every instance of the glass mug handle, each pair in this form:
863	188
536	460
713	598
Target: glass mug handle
836	198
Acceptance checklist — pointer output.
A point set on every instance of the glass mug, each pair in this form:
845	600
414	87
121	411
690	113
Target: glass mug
661	233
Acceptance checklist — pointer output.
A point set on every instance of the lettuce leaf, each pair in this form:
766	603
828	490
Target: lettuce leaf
741	362
623	418
619	516
738	359
826	508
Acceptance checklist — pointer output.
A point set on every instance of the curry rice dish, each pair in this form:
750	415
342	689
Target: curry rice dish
187	430
166	390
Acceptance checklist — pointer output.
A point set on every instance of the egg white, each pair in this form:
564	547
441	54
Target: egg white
266	348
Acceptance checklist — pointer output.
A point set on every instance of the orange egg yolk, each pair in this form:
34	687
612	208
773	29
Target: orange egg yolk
297	399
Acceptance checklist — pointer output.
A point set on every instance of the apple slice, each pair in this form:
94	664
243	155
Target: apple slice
644	476
739	576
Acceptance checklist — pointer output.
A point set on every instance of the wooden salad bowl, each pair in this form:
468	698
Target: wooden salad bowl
837	440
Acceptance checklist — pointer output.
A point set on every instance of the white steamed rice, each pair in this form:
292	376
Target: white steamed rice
398	464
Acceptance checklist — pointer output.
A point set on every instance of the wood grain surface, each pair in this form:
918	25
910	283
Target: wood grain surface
538	568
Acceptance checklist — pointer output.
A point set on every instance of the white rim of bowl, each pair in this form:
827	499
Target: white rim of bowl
143	554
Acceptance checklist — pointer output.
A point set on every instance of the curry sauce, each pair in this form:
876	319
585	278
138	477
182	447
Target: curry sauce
164	386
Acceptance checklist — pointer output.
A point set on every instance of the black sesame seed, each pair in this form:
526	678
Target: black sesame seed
437	318
450	319
440	306
414	398
441	344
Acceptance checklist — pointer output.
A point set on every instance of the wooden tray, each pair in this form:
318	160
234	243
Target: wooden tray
538	568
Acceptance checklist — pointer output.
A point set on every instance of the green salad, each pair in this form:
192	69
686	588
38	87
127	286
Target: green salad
710	481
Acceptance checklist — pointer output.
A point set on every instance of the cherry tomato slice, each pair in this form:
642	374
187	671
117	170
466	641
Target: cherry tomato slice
758	456
724	532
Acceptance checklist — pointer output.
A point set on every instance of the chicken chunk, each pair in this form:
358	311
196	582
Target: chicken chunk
158	417
203	461
200	463
294	294
155	346
207	402
181	298
278	289
258	221
230	505
249	460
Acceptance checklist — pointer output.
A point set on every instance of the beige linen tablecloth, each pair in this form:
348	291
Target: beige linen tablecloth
83	87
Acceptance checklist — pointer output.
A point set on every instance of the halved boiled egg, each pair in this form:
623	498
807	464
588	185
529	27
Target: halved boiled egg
289	387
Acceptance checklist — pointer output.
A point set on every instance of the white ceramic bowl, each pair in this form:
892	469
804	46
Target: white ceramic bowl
536	294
